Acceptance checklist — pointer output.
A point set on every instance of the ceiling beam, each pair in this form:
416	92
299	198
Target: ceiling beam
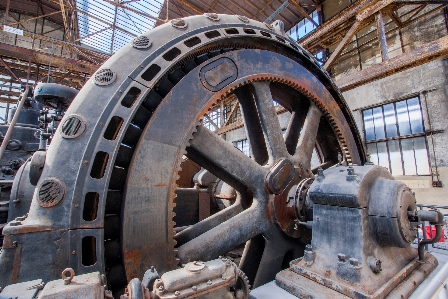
424	54
34	18
69	64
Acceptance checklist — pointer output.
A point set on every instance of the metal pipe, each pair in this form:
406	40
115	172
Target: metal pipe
13	122
436	285
435	218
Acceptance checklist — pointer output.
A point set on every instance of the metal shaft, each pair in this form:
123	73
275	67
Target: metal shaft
13	122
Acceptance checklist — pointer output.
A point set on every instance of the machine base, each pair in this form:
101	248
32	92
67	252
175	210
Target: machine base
305	284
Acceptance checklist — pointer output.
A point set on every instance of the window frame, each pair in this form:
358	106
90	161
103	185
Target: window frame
399	137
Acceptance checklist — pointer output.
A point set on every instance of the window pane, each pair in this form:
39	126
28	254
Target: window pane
243	145
383	157
408	157
415	115
368	124
371	148
395	157
315	161
403	118
379	123
421	156
390	120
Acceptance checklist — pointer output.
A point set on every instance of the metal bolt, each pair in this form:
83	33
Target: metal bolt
176	293
161	288
308	247
351	171
85	162
320	172
223	277
342	257
14	244
353	262
74	252
194	288
76	205
209	282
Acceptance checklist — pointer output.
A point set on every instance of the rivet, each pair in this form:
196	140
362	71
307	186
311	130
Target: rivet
74	252
194	288
176	293
342	257
209	282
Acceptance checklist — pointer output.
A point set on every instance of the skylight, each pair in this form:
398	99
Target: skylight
107	27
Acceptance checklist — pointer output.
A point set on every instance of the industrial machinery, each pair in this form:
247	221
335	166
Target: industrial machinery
107	190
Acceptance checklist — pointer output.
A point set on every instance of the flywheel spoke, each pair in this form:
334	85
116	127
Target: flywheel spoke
228	158
269	120
307	140
277	246
293	131
207	224
224	237
252	124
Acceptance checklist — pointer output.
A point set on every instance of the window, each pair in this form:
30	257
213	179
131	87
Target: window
304	26
213	120
243	146
395	137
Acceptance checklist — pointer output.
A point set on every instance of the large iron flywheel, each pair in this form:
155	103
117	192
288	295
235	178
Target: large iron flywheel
116	157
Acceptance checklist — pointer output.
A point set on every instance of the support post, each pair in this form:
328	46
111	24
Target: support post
382	36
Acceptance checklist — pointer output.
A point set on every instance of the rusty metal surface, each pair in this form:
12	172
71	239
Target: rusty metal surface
80	286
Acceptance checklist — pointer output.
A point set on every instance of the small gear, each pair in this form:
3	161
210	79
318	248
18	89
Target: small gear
241	289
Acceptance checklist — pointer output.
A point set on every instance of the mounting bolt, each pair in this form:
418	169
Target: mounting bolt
320	173
194	288
176	293
223	277
74	252
209	282
342	257
161	288
353	262
374	264
351	171
308	247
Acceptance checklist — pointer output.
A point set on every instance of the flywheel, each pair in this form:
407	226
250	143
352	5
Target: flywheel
105	198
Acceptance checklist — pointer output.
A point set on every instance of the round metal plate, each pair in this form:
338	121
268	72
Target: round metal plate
51	192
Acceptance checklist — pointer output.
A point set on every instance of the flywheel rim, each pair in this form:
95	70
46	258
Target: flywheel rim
190	130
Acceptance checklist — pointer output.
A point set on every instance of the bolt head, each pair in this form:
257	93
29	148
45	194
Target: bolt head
176	293
209	282
194	288
353	261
